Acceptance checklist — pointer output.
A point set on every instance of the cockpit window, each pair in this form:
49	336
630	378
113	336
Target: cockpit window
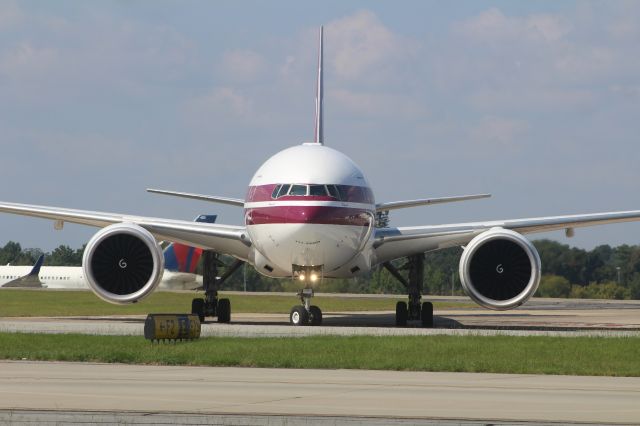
343	191
274	194
317	191
298	190
333	192
280	191
283	190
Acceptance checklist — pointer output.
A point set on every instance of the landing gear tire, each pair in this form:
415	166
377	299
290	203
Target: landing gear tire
197	308
299	316
401	314
316	315
224	310
426	315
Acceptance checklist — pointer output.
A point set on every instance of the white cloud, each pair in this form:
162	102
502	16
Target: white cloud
25	59
587	61
50	60
10	14
492	25
360	46
498	132
243	64
378	105
221	102
531	99
627	91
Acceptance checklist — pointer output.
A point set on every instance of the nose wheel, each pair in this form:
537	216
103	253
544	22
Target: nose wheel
305	314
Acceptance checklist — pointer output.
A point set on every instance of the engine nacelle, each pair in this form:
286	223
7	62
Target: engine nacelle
123	263
500	269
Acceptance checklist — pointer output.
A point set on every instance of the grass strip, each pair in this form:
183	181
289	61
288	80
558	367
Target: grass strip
28	303
590	356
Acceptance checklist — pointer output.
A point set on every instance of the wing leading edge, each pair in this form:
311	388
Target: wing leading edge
211	198
392	243
426	201
227	239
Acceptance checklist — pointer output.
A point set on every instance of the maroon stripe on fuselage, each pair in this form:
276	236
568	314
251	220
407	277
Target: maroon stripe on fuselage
326	215
350	193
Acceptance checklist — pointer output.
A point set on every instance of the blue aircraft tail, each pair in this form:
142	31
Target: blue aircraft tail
183	258
36	268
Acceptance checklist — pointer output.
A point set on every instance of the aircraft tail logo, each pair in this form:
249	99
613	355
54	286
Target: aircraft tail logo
183	258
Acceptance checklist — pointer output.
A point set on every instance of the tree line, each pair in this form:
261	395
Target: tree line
605	272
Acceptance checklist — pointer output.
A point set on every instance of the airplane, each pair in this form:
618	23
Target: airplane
72	277
179	274
310	215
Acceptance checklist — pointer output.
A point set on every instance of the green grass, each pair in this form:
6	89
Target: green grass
16	302
494	354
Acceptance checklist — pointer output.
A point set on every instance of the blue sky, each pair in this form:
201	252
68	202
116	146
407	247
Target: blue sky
537	103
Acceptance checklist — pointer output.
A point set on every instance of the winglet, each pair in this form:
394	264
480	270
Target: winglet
36	268
318	136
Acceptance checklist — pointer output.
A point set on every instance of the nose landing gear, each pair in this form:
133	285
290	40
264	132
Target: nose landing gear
306	313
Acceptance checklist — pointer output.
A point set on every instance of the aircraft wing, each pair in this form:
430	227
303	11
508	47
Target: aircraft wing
226	239
214	199
392	243
426	201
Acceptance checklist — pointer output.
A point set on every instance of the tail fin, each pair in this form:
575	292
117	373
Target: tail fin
36	268
318	136
31	280
182	258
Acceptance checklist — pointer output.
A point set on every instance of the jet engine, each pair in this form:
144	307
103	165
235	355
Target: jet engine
500	269
123	263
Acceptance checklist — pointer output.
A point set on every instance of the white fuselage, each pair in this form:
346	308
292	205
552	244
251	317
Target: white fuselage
72	277
310	206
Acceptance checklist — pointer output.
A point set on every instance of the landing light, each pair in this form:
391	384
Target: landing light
301	277
313	278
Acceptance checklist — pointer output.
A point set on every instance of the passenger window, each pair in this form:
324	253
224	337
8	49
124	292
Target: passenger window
274	194
317	191
284	189
298	190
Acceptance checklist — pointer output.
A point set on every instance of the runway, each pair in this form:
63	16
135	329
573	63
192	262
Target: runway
69	387
548	317
41	392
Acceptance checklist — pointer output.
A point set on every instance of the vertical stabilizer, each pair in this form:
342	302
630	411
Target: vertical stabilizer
182	258
35	271
318	137
31	280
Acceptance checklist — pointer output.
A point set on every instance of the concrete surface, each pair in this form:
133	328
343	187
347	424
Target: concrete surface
69	387
550	317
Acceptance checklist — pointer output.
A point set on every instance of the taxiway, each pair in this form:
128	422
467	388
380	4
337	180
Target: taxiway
45	392
550	317
107	388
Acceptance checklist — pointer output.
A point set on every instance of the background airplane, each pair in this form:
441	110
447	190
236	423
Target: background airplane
180	262
310	214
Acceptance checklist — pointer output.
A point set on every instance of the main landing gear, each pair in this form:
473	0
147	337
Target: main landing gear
305	314
415	309
211	306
